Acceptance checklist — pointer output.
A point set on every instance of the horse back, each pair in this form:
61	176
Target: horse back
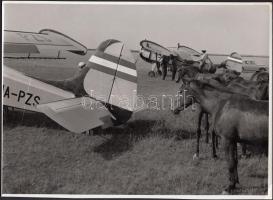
243	118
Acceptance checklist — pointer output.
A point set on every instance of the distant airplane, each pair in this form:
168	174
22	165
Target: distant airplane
101	94
152	52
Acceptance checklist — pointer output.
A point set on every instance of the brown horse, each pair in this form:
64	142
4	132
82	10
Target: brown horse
185	101
236	118
189	73
257	91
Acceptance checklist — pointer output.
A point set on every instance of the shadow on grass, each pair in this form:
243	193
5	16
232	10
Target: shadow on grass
123	138
14	118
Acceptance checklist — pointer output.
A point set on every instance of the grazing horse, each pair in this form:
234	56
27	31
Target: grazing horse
236	118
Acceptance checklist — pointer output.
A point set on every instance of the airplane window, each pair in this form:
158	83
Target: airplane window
145	53
153	56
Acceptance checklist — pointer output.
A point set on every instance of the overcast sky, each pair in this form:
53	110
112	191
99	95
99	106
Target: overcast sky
217	28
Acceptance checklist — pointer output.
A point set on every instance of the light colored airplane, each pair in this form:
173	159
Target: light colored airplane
101	94
152	52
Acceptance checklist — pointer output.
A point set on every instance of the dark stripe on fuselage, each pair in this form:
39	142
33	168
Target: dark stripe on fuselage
111	72
115	59
126	77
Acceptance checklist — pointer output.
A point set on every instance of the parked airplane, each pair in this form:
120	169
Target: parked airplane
152	52
101	94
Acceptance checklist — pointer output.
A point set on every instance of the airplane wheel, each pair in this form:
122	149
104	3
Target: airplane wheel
97	131
151	74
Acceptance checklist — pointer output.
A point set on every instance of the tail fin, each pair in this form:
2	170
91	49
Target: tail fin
112	77
234	62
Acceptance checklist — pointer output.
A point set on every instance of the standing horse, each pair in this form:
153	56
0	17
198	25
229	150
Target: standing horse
185	101
236	118
257	91
189	73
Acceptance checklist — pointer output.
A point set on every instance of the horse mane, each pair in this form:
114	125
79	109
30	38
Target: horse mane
207	84
263	86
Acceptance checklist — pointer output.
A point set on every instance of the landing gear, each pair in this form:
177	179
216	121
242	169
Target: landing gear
94	131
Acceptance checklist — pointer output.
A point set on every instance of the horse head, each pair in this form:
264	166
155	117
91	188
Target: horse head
185	98
227	76
263	93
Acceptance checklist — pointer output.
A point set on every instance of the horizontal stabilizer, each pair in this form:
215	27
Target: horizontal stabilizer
78	114
25	92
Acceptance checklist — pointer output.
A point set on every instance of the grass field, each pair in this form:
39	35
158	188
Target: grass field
151	154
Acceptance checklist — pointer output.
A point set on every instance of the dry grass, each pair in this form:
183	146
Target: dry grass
151	154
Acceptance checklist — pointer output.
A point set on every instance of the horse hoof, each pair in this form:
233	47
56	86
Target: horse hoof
195	157
215	157
225	192
176	112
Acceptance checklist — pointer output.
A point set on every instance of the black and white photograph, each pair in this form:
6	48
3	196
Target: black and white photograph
136	99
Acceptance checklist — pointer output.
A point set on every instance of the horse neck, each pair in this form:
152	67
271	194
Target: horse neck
190	71
209	99
185	98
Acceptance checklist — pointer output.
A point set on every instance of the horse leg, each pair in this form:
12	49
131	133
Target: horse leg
230	155
213	140
207	127
236	163
217	142
243	150
196	155
178	110
178	78
164	69
158	69
174	68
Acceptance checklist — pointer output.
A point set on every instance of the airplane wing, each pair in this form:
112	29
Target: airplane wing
187	53
151	52
78	114
25	44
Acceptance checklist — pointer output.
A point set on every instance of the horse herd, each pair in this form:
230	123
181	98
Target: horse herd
238	110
